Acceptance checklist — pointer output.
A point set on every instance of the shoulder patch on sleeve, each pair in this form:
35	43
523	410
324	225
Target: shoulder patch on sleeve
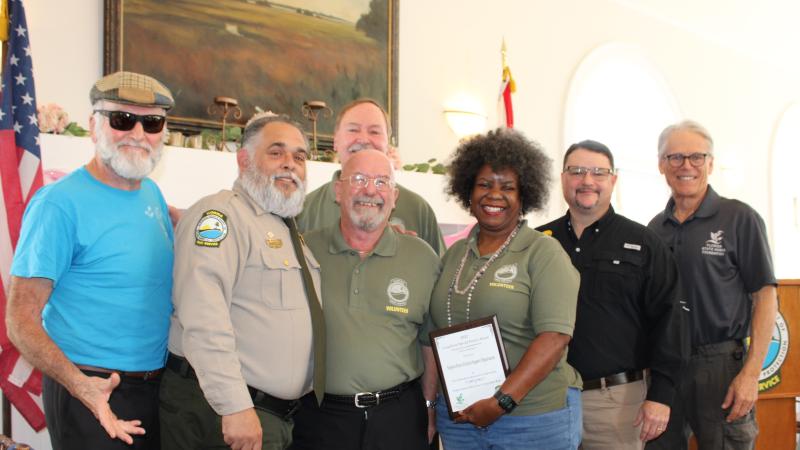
211	229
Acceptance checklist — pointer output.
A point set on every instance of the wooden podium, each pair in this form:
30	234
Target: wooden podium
775	410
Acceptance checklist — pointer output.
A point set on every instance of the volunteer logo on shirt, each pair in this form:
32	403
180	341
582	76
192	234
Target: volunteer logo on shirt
776	355
211	229
504	276
714	245
398	295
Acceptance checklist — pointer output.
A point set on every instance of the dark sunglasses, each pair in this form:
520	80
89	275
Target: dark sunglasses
125	121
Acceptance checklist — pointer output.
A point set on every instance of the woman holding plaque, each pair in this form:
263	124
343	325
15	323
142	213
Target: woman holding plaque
506	268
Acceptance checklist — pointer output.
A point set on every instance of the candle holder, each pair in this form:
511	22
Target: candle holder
312	110
224	106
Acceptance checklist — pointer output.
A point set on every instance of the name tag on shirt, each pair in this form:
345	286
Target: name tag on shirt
636	247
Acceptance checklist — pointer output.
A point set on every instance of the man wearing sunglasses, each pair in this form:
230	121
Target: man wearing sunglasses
627	343
362	125
376	287
726	270
89	301
247	337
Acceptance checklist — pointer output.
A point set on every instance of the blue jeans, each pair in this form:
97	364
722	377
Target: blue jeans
555	430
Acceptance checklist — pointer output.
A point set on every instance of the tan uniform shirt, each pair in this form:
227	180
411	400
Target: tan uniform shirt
241	315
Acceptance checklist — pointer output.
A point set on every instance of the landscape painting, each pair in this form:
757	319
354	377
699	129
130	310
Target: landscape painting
273	55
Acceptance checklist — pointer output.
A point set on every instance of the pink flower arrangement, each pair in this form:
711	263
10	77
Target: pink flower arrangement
52	119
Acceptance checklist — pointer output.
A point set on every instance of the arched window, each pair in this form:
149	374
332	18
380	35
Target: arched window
618	97
785	194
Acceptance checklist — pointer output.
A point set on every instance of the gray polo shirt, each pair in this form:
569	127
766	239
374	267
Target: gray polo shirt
723	255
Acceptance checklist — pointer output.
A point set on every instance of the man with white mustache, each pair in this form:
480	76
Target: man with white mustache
628	341
244	332
726	268
89	301
376	286
362	125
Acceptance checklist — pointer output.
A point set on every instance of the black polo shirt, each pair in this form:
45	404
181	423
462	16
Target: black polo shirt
723	255
629	315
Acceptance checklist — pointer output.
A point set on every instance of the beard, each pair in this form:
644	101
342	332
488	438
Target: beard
368	218
129	165
261	188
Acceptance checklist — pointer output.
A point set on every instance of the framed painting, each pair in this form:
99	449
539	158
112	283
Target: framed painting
274	55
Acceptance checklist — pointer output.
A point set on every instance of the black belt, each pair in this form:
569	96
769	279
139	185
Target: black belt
284	409
614	380
370	399
142	375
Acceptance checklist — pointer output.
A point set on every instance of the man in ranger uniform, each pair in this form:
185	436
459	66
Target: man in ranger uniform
376	286
362	125
247	317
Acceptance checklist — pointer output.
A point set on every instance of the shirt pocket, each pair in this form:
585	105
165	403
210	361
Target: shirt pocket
617	275
282	281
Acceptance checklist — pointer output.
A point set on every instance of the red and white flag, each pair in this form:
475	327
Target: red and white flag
20	177
507	87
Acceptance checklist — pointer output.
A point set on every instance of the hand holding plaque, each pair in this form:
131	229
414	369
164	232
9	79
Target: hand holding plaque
471	360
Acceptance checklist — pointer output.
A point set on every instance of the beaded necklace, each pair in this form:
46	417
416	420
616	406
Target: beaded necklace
474	281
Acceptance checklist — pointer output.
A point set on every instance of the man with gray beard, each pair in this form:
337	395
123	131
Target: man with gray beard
89	301
376	285
247	319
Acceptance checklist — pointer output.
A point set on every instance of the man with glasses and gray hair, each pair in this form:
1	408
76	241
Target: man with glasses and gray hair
376	287
89	301
247	336
627	343
728	282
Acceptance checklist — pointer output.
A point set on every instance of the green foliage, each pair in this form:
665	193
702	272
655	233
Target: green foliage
73	129
425	167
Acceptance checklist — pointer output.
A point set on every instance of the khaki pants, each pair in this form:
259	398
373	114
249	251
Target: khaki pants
189	423
608	416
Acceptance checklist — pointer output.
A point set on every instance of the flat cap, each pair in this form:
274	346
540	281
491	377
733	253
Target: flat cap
132	88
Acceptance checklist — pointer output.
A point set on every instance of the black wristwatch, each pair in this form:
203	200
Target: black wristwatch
505	401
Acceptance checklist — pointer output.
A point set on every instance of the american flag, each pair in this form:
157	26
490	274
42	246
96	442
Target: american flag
21	176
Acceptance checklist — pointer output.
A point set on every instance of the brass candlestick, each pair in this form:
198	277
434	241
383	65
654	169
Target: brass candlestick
311	110
224	106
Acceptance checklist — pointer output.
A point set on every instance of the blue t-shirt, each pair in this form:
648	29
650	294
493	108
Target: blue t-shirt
109	254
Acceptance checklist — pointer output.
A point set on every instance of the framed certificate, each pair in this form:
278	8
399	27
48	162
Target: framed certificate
471	360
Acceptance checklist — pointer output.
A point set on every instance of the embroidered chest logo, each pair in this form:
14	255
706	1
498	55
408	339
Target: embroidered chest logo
398	295
504	275
714	245
211	229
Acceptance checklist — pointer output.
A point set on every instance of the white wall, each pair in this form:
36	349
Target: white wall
449	48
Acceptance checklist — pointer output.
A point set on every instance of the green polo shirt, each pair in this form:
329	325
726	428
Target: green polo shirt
533	288
374	308
412	212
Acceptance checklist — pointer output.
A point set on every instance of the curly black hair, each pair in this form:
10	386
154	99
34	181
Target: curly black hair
501	148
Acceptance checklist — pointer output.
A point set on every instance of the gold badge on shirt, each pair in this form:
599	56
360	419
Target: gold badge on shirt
272	241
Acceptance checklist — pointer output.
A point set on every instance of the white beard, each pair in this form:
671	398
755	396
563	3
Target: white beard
261	188
368	219
127	165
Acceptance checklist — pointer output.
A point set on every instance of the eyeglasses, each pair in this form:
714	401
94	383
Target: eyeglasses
695	159
125	121
601	173
361	181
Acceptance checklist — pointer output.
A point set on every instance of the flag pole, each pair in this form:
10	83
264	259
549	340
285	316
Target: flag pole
4	38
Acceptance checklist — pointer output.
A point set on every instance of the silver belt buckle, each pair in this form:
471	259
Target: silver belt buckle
359	405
